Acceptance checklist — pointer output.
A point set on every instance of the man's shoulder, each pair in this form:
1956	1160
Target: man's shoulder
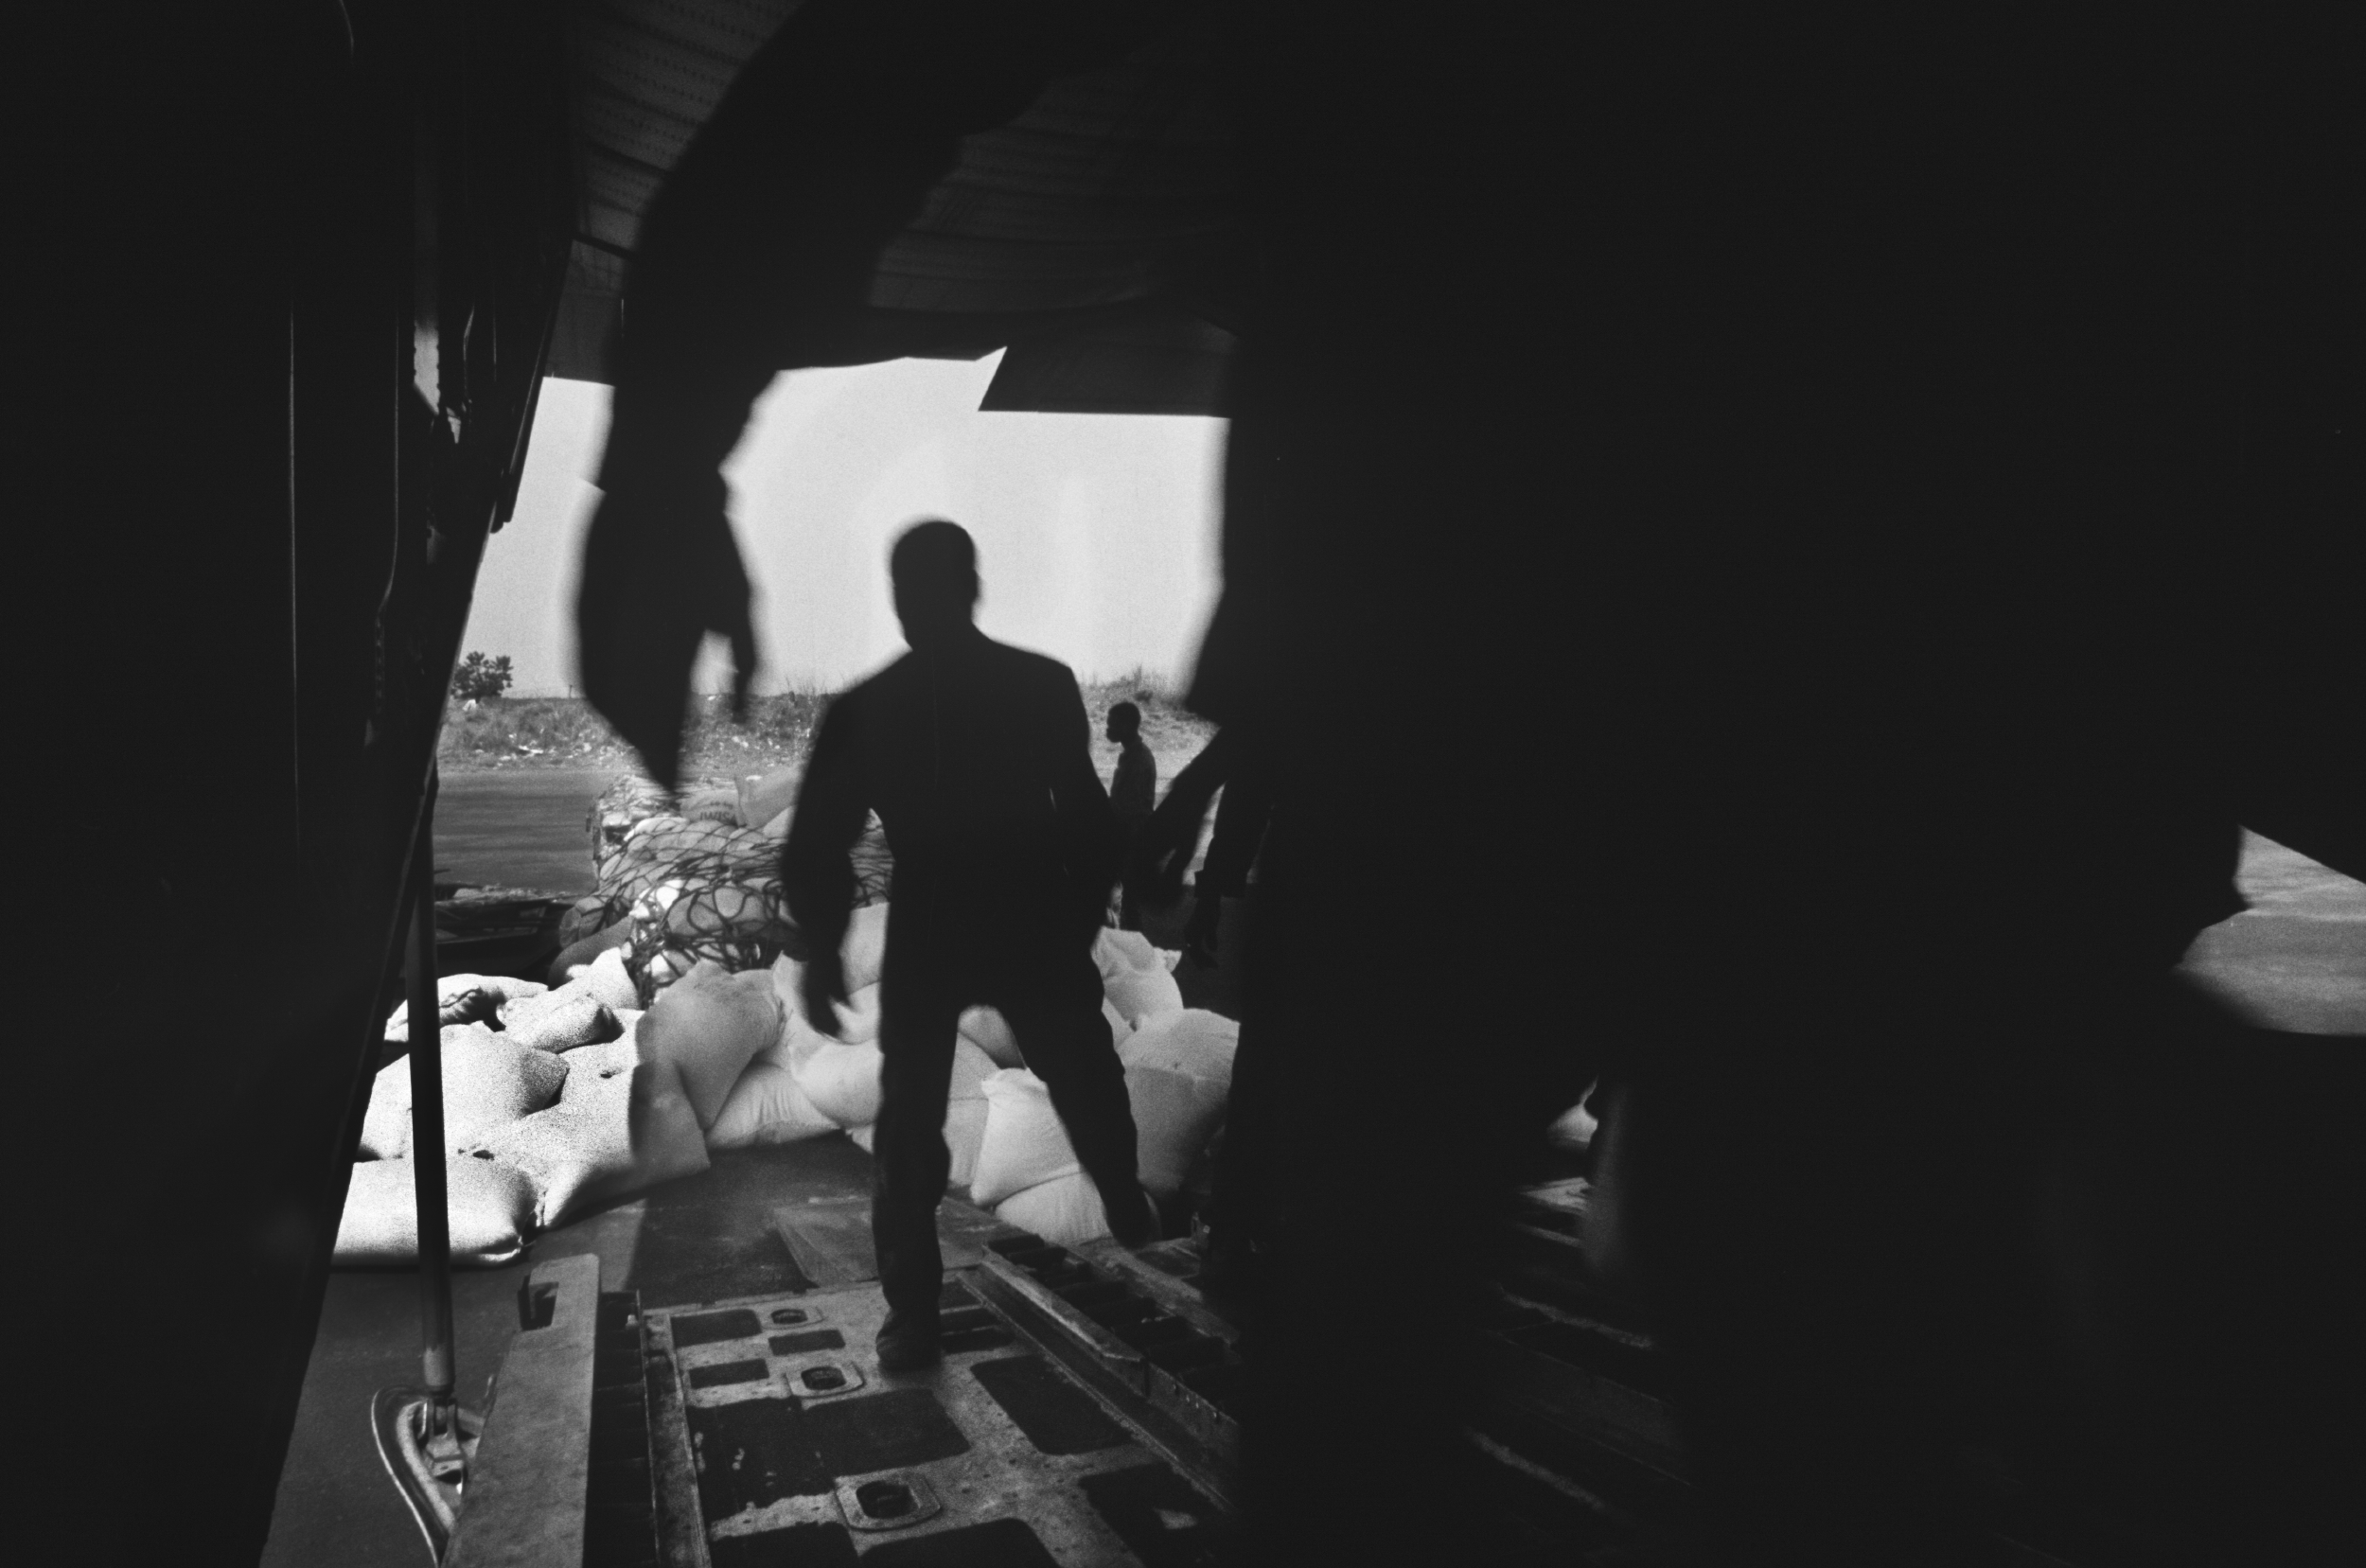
846	706
893	672
1016	657
1030	665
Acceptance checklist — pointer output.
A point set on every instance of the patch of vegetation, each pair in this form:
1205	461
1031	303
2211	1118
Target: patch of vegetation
545	729
552	732
558	732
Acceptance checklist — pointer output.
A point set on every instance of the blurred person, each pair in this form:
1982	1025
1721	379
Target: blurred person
1234	772
976	758
1242	813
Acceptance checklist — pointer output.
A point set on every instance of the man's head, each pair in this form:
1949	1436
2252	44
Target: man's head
934	570
1125	722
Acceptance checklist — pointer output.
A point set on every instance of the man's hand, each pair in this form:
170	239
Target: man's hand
660	572
822	986
1155	869
1199	933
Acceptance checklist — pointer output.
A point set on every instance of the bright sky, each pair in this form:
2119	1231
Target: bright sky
1095	533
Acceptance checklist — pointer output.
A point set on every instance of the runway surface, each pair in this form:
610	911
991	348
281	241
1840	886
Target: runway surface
519	828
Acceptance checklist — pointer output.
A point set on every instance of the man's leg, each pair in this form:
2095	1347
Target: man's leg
1236	1202
918	1011
1054	1012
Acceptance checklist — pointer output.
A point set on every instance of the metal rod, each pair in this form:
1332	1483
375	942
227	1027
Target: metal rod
427	1123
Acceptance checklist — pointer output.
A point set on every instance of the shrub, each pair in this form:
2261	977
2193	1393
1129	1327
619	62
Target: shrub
479	678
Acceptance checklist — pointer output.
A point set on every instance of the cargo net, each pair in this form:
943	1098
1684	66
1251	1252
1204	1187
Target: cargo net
707	907
625	804
875	869
690	884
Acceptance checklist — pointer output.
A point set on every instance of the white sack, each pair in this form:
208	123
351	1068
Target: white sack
857	1022
607	979
765	798
1066	1211
567	1018
858	1016
1024	1144
1123	953
1175	1116
490	1080
614	1133
971	1068
709	1025
596	1070
796	1039
1192	1040
1574	1128
463	999
842	1082
712	805
964	1115
964	1136
864	954
1143	994
767	1106
666	967
490	1206
386	1125
787	976
986	1028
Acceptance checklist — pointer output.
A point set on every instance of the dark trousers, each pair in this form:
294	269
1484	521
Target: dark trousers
1129	895
1050	990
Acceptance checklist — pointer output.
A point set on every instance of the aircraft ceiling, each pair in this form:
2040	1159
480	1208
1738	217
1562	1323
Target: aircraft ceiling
1110	190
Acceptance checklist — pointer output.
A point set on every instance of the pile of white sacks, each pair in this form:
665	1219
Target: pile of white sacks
556	1100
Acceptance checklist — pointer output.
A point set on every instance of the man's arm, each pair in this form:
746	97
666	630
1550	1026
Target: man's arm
1176	822
817	871
1241	819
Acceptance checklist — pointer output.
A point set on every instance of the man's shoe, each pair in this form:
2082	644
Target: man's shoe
1145	1228
906	1342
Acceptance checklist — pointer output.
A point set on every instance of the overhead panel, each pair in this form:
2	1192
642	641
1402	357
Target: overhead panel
1113	191
1152	365
648	73
587	315
1114	187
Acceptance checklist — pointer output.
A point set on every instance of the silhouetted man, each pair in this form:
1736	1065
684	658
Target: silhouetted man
977	758
1132	792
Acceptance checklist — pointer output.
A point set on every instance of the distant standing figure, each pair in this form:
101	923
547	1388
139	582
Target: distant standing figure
977	758
1133	794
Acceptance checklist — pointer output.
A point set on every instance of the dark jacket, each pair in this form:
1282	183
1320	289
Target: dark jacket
979	760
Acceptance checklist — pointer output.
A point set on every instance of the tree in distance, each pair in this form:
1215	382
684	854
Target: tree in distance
481	680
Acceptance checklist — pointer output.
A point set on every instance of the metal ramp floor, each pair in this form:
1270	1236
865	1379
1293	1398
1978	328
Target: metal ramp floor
1076	1419
1084	1414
